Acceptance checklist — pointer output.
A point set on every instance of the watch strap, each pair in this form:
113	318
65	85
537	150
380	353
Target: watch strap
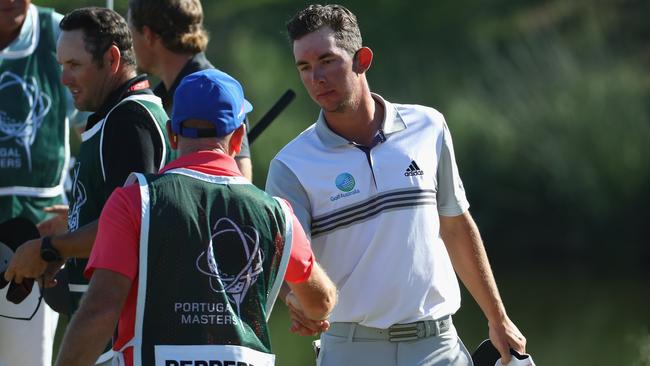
48	251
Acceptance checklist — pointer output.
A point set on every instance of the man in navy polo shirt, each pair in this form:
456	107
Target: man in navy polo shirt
170	42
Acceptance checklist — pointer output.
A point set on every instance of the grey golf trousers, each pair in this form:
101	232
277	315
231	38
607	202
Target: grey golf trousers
442	349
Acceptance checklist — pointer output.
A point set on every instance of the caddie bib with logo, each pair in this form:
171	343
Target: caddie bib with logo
33	124
88	188
213	254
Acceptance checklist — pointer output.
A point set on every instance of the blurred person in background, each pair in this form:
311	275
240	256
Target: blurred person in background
169	41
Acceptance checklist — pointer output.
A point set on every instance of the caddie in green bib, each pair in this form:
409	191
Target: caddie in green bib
33	126
217	281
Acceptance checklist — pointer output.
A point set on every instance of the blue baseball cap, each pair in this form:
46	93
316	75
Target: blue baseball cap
213	96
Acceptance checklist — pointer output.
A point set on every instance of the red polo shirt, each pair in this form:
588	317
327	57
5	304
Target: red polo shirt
117	244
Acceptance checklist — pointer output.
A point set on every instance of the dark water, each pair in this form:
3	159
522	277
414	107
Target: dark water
570	317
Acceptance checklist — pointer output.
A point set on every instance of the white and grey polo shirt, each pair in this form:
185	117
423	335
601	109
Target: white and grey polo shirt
373	214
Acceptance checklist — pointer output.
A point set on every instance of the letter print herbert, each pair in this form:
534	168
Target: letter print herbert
21	125
240	261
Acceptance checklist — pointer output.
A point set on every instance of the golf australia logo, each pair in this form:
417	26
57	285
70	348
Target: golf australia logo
22	126
345	183
232	275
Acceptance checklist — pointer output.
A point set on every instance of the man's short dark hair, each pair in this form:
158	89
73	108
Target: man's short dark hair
178	22
101	28
342	21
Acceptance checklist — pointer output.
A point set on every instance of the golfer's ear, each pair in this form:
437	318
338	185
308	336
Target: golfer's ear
171	136
113	57
362	60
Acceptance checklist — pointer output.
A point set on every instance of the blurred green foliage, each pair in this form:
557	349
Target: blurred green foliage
548	103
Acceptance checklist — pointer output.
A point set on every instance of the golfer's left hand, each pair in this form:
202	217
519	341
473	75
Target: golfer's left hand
505	335
26	262
57	224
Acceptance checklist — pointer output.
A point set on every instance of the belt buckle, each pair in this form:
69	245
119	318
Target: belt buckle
443	325
403	332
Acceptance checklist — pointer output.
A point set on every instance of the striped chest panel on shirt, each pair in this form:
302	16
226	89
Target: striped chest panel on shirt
346	186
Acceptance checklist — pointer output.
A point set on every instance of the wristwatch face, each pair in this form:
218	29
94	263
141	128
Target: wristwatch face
49	254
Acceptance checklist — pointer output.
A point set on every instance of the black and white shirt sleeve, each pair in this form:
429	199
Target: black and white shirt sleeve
131	143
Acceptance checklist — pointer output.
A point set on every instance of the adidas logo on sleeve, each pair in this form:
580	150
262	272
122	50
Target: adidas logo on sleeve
413	170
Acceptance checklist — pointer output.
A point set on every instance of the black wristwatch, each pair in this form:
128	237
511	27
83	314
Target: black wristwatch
49	252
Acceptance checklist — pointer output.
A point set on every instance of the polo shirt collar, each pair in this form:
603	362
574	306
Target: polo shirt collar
392	123
196	63
134	86
206	161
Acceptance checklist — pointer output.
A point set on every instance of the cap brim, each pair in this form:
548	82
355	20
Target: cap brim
485	354
13	233
16	231
5	257
248	107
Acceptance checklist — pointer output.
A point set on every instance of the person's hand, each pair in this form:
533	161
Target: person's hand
26	262
48	279
58	224
300	324
505	335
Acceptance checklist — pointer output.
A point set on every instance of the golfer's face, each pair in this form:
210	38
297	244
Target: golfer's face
87	81
325	70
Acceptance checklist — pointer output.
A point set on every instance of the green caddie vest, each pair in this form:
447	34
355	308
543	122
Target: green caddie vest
88	188
33	125
213	254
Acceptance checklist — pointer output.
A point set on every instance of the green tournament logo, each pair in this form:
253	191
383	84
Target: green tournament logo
22	120
345	182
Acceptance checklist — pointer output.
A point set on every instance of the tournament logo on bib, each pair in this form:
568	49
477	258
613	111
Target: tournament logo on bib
79	198
240	261
21	123
345	183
